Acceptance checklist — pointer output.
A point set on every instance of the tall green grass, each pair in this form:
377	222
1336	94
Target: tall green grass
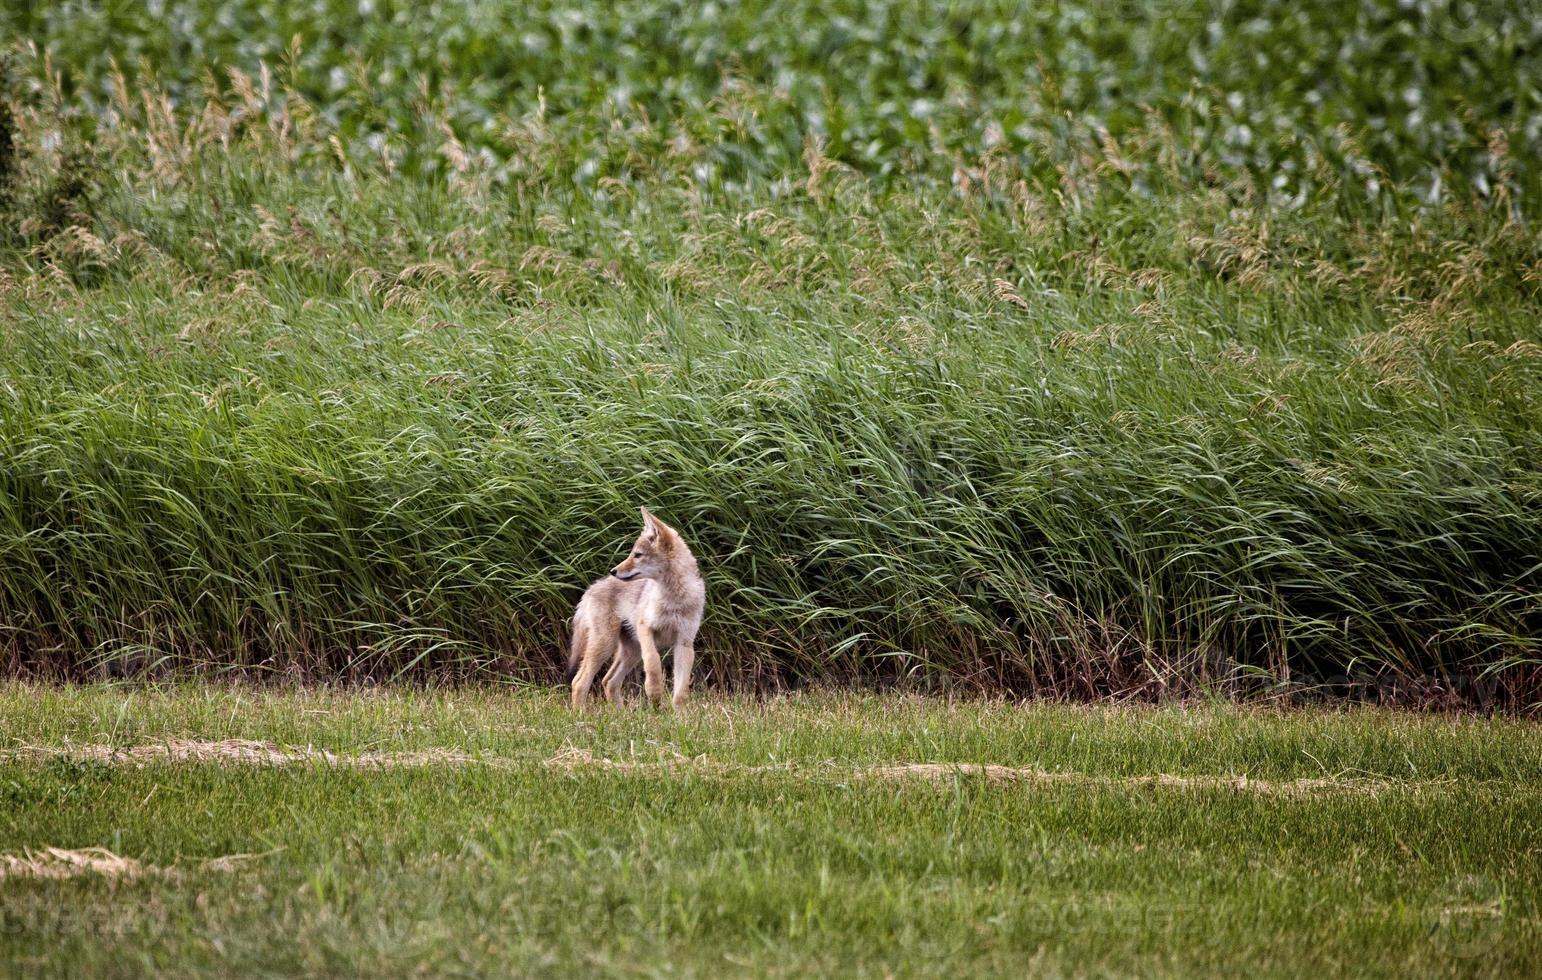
358	382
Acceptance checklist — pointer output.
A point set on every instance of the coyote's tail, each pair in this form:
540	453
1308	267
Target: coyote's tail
576	649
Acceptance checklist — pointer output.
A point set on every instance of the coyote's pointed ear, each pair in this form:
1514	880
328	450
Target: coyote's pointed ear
656	529
651	524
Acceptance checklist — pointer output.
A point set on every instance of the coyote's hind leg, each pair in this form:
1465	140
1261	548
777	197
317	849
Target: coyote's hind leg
598	643
628	656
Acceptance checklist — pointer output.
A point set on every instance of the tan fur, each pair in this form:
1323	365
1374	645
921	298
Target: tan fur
650	602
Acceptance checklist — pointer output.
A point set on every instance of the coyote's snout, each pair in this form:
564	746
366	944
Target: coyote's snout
652	600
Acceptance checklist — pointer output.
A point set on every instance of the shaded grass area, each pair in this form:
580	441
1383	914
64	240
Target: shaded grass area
483	870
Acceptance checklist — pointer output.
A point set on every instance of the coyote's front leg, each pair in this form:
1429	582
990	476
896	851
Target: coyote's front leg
685	656
653	667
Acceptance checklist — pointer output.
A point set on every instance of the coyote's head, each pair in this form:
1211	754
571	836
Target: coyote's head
656	547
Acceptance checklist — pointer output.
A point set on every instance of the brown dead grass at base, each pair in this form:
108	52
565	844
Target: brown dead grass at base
1008	774
246	752
935	772
58	863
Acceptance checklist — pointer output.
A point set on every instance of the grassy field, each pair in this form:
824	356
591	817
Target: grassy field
484	832
1099	350
1102	349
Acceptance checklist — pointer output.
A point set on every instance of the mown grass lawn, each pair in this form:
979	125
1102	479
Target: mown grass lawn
756	837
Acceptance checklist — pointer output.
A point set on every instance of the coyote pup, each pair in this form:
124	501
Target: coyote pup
653	599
